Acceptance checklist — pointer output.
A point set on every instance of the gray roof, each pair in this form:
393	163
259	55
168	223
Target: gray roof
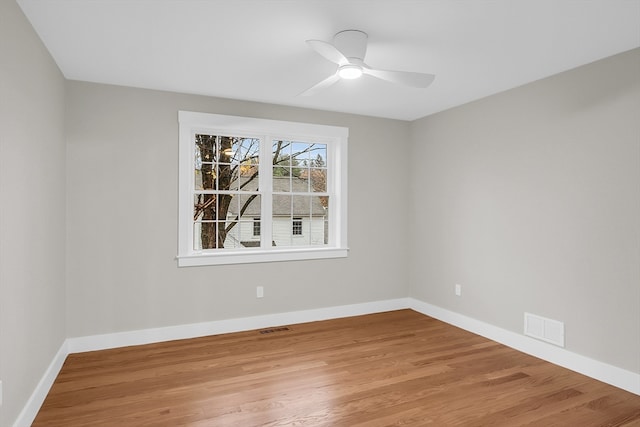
302	205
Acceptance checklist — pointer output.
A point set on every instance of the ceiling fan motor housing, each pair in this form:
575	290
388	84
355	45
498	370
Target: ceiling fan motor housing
352	44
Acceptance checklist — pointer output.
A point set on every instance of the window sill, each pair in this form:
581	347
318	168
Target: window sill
249	256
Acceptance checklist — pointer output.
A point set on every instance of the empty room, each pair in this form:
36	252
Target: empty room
319	213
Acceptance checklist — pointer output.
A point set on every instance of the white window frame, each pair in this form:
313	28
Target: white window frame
191	123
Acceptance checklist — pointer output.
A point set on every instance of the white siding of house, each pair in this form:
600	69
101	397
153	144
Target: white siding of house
313	233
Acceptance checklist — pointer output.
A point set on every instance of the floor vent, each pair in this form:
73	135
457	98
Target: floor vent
272	330
551	331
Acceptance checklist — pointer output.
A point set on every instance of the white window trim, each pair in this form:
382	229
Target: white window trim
336	139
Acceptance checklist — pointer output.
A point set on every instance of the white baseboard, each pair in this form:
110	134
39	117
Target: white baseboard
601	371
598	370
30	410
146	336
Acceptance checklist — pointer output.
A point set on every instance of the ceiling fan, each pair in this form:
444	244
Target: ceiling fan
347	51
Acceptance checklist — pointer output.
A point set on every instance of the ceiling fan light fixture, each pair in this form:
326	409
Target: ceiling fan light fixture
350	71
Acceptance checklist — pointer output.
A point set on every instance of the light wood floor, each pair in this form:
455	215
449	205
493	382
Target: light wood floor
396	368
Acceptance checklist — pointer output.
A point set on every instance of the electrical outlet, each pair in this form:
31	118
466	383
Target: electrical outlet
458	290
259	291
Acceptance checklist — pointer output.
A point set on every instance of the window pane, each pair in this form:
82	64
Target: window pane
281	153
280	171
318	156
292	229
281	183
318	180
320	206
197	233
312	215
240	235
226	206
198	179
299	157
226	148
281	157
281	206
234	154
242	207
281	231
301	206
240	151
249	151
229	178
249	205
320	220
206	147
206	176
281	220
249	163
247	239
249	178
301	184
205	153
205	207
205	235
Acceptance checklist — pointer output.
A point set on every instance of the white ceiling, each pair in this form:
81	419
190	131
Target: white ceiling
255	49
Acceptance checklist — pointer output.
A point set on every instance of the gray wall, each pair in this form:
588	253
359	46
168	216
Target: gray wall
32	210
530	200
122	218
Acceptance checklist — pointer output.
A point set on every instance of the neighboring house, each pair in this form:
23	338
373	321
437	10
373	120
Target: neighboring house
298	220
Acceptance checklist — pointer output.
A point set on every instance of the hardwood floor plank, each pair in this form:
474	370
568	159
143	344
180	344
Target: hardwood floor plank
395	368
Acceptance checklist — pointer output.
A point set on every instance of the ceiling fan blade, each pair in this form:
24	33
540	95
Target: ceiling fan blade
322	85
419	80
328	50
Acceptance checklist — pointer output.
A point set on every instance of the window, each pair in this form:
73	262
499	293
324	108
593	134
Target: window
296	229
255	190
256	227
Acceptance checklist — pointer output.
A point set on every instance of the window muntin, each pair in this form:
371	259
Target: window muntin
252	176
